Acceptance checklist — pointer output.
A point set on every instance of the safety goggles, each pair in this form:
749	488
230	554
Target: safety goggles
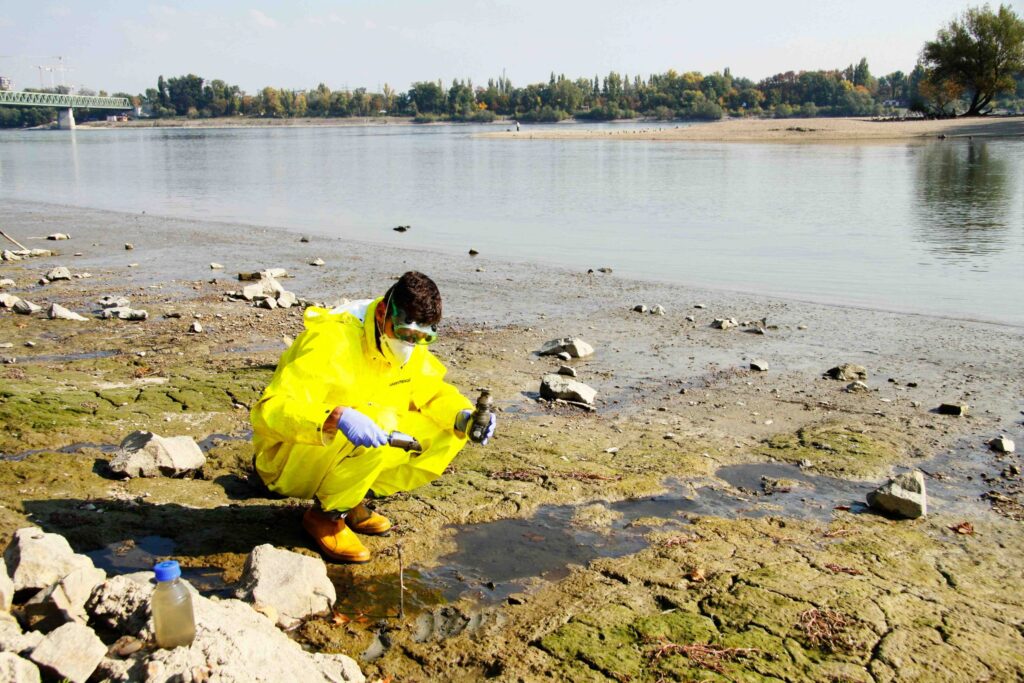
411	331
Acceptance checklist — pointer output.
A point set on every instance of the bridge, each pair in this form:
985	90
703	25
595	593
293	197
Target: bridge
63	103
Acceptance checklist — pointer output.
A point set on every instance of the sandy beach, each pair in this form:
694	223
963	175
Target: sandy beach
829	130
719	505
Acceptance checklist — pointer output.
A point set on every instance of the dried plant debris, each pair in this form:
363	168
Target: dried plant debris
827	629
706	656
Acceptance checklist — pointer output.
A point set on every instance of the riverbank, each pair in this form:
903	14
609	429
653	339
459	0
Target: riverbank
252	122
724	565
824	130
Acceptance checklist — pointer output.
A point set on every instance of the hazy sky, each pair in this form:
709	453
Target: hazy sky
125	45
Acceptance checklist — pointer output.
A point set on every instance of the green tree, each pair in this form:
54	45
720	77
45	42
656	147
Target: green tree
981	51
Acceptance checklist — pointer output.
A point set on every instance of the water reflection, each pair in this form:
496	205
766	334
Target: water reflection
962	200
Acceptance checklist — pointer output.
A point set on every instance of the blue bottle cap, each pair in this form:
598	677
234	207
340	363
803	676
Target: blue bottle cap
167	571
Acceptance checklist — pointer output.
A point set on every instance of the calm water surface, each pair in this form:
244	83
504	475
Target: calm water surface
934	227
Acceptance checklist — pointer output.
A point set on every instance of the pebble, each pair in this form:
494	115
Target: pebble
759	366
128	246
216	266
317	262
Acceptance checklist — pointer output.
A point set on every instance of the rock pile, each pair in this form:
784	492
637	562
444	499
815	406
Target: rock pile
234	642
574	347
266	292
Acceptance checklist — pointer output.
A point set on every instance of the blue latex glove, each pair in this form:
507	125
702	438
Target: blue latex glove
489	432
361	430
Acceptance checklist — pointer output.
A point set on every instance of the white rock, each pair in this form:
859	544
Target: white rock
658	309
128	246
121	603
276	273
242	646
8	255
14	669
145	454
195	327
574	346
317	262
559	386
13	640
58	312
8	300
124	313
72	651
57	236
65	600
6	588
902	496
296	586
36	559
58	273
287	299
216	266
759	365
724	323
857	388
1002	445
267	302
113	302
6	282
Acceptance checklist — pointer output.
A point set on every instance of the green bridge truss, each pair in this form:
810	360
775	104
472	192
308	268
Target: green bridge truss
55	100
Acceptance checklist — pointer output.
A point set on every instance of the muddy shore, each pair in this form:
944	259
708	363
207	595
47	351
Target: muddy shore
703	523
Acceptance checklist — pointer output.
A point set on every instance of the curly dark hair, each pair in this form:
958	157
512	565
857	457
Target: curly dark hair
417	296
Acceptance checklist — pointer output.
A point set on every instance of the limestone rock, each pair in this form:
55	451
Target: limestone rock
296	586
287	299
145	454
244	647
121	603
58	236
724	323
12	639
36	559
317	262
14	669
58	312
72	651
6	282
640	308
1002	445
6	588
574	346
759	366
567	371
195	327
903	496
128	246
559	386
276	273
847	372
267	302
58	273
8	300
124	313
65	600
216	266
657	309
109	301
8	255
25	307
857	388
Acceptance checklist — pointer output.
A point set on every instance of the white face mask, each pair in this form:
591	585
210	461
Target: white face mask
401	350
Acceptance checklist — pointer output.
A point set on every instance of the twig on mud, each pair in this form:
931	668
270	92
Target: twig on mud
964	528
589	476
705	656
679	540
517	475
835	533
839	569
827	629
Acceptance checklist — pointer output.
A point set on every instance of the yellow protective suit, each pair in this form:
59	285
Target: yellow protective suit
336	362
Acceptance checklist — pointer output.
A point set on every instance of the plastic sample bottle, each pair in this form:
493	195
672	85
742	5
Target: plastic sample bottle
173	620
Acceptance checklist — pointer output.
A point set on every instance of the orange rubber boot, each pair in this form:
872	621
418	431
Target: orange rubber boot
363	520
336	540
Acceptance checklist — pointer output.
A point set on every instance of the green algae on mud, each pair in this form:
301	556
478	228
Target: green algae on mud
855	451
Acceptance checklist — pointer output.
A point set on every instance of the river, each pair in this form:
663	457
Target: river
930	227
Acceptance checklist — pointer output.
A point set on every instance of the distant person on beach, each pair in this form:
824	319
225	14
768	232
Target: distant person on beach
356	374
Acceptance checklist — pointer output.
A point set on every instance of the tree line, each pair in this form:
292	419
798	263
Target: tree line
975	64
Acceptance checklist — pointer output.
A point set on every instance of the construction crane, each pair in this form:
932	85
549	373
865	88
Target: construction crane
60	67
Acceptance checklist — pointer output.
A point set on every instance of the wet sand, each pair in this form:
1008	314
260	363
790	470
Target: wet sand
826	130
676	402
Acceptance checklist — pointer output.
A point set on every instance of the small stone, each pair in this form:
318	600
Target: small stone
902	496
848	372
287	299
113	302
267	302
563	355
58	236
195	327
1001	444
304	239
25	307
640	308
250	276
30	344
6	282
58	273
125	646
759	366
216	266
574	346
558	387
657	309
606	270
612	451
8	300
801	327
58	312
72	651
128	246
699	306
473	252
480	269
955	409
691	319
567	371
317	262
857	388
669	436
401	228
516	599
724	323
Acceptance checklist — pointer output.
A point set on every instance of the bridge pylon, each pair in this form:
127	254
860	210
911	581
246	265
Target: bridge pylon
66	119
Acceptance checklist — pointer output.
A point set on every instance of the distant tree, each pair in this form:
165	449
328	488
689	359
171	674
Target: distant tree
981	52
428	97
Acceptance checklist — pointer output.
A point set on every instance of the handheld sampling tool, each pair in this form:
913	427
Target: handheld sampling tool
481	418
405	442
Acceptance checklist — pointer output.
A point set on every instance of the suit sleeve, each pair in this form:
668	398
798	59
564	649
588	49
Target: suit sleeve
437	399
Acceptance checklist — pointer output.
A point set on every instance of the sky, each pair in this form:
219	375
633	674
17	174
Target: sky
124	45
